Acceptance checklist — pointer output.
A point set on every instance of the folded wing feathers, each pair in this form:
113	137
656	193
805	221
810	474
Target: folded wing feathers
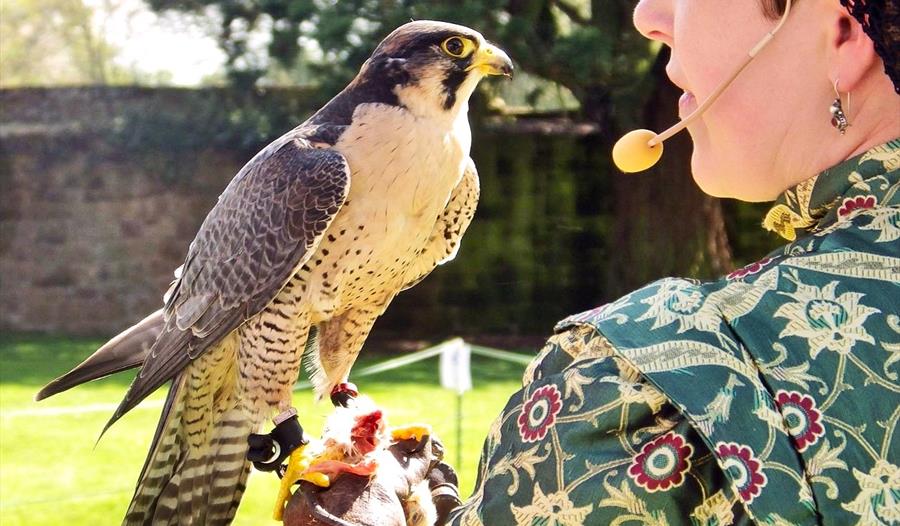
224	281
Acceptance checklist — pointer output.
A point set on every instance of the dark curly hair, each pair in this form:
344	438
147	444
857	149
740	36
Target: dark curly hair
880	19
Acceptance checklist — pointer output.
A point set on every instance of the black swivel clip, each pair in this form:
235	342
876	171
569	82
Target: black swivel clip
268	451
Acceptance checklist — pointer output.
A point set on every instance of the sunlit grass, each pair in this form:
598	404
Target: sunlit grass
52	472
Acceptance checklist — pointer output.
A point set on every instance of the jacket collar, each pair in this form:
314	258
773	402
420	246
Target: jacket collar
865	181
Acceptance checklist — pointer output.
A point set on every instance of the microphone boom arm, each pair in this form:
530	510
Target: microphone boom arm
719	90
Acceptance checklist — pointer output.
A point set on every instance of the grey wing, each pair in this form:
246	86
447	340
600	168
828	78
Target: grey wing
443	243
265	225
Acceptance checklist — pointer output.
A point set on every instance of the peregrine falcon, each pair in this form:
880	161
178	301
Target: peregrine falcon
316	234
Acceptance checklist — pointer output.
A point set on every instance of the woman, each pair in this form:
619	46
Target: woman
770	395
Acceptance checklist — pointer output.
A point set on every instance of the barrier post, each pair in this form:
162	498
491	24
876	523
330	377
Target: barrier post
459	417
456	374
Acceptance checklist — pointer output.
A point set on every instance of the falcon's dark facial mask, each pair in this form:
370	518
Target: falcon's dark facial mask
432	66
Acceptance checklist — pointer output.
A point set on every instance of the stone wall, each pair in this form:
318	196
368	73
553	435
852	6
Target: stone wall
103	189
91	227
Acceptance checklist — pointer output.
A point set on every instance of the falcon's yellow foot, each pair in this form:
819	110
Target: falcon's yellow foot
319	479
297	464
323	472
416	431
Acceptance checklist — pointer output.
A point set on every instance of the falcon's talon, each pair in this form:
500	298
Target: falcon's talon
343	393
298	462
319	479
417	431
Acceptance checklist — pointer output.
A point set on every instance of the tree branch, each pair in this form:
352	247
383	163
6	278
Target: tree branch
571	11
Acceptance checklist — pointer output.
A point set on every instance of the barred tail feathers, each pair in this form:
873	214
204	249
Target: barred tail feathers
197	468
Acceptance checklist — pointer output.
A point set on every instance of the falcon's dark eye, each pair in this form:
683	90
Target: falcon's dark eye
454	46
458	47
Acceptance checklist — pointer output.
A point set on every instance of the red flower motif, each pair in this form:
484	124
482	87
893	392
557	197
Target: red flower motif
802	419
662	463
539	413
859	202
743	468
749	270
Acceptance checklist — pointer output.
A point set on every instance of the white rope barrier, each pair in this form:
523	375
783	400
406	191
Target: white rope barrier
430	352
499	354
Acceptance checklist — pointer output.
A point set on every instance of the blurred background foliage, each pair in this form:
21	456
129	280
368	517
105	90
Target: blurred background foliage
558	229
587	47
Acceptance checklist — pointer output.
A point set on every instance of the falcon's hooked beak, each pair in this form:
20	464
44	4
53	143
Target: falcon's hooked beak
491	60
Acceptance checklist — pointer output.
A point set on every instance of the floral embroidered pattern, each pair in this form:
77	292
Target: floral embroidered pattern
878	502
551	510
743	468
662	463
885	221
682	302
828	320
749	270
714	511
859	202
802	419
539	413
640	393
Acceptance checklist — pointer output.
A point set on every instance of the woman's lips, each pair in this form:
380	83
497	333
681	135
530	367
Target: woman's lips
686	104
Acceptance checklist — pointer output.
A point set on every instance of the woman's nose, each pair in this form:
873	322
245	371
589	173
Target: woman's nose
653	19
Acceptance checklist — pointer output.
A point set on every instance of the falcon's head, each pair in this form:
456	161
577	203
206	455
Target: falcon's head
430	67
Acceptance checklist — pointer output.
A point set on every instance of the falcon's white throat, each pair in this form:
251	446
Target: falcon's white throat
425	97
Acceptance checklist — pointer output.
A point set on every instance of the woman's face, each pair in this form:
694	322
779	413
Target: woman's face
746	143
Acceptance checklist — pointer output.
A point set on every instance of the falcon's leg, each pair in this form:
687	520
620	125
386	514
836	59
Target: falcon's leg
269	357
270	354
340	340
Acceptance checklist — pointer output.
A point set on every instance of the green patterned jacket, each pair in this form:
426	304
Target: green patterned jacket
769	396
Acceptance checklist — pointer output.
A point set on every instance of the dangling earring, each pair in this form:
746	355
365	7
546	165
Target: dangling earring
838	117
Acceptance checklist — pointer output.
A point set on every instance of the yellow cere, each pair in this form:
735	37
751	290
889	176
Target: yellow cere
632	153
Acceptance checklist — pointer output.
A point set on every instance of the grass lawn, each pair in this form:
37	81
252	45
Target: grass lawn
54	472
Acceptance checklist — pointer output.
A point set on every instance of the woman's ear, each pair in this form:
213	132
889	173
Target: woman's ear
851	53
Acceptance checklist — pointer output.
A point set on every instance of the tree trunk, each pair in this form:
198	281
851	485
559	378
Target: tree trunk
664	224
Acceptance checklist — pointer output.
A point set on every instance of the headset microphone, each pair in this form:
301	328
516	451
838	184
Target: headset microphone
638	150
